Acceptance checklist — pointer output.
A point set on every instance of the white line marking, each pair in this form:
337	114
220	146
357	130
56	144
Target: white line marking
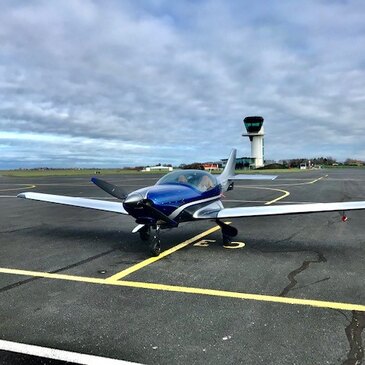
68	356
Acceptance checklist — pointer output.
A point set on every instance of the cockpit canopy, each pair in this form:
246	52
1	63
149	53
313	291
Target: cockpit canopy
200	180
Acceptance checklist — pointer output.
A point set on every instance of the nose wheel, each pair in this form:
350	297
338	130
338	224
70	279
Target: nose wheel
155	242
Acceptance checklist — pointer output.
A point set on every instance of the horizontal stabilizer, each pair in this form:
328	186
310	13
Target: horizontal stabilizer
252	177
115	207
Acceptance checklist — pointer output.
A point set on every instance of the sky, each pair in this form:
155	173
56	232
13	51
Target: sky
123	83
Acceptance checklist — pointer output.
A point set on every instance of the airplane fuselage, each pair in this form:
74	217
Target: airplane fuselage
172	199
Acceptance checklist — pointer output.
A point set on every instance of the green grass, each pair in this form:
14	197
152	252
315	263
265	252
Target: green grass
73	172
270	171
92	172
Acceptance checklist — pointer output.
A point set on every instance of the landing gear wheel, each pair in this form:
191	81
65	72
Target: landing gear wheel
145	233
155	249
228	232
155	242
227	240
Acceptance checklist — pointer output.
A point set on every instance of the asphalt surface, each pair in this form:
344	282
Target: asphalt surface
314	257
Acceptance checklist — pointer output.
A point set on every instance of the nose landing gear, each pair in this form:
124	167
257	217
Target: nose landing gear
151	235
155	241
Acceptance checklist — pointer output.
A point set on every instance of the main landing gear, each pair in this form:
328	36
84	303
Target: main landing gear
151	234
228	232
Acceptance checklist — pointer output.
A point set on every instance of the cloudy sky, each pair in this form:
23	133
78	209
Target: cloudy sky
116	83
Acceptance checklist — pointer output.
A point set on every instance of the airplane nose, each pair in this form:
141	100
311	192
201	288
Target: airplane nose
133	198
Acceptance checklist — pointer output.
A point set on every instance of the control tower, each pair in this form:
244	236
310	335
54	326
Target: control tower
255	131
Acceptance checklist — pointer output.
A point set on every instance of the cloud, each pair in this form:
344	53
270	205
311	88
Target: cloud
123	83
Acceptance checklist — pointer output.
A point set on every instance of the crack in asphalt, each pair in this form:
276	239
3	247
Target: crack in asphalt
304	266
354	336
314	282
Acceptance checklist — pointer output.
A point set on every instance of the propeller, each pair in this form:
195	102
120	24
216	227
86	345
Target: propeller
111	189
138	201
147	204
133	199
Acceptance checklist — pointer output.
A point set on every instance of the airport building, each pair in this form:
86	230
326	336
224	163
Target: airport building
158	168
255	132
241	162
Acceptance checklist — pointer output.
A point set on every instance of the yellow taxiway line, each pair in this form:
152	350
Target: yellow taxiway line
285	192
189	290
28	186
151	260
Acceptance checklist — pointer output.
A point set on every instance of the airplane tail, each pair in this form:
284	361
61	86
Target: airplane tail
227	177
228	172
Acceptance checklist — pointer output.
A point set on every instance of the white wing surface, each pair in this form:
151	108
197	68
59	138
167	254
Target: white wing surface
267	210
289	209
115	207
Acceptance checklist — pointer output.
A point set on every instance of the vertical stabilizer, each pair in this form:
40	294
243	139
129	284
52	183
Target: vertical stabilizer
228	171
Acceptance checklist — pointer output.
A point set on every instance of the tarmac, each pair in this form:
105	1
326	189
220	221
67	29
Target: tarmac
291	292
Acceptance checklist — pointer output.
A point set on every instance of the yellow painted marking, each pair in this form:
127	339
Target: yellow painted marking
203	243
151	260
22	188
314	181
190	290
279	184
236	245
285	194
304	183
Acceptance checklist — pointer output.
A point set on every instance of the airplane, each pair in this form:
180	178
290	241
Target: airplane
186	195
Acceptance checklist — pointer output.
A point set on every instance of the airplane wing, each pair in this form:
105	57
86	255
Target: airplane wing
267	210
115	207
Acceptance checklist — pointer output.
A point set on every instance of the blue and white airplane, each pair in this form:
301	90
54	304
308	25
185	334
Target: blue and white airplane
186	195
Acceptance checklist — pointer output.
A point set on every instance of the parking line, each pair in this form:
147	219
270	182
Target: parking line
151	260
60	355
190	290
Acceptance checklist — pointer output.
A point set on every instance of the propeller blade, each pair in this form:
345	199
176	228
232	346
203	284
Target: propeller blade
110	188
159	214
